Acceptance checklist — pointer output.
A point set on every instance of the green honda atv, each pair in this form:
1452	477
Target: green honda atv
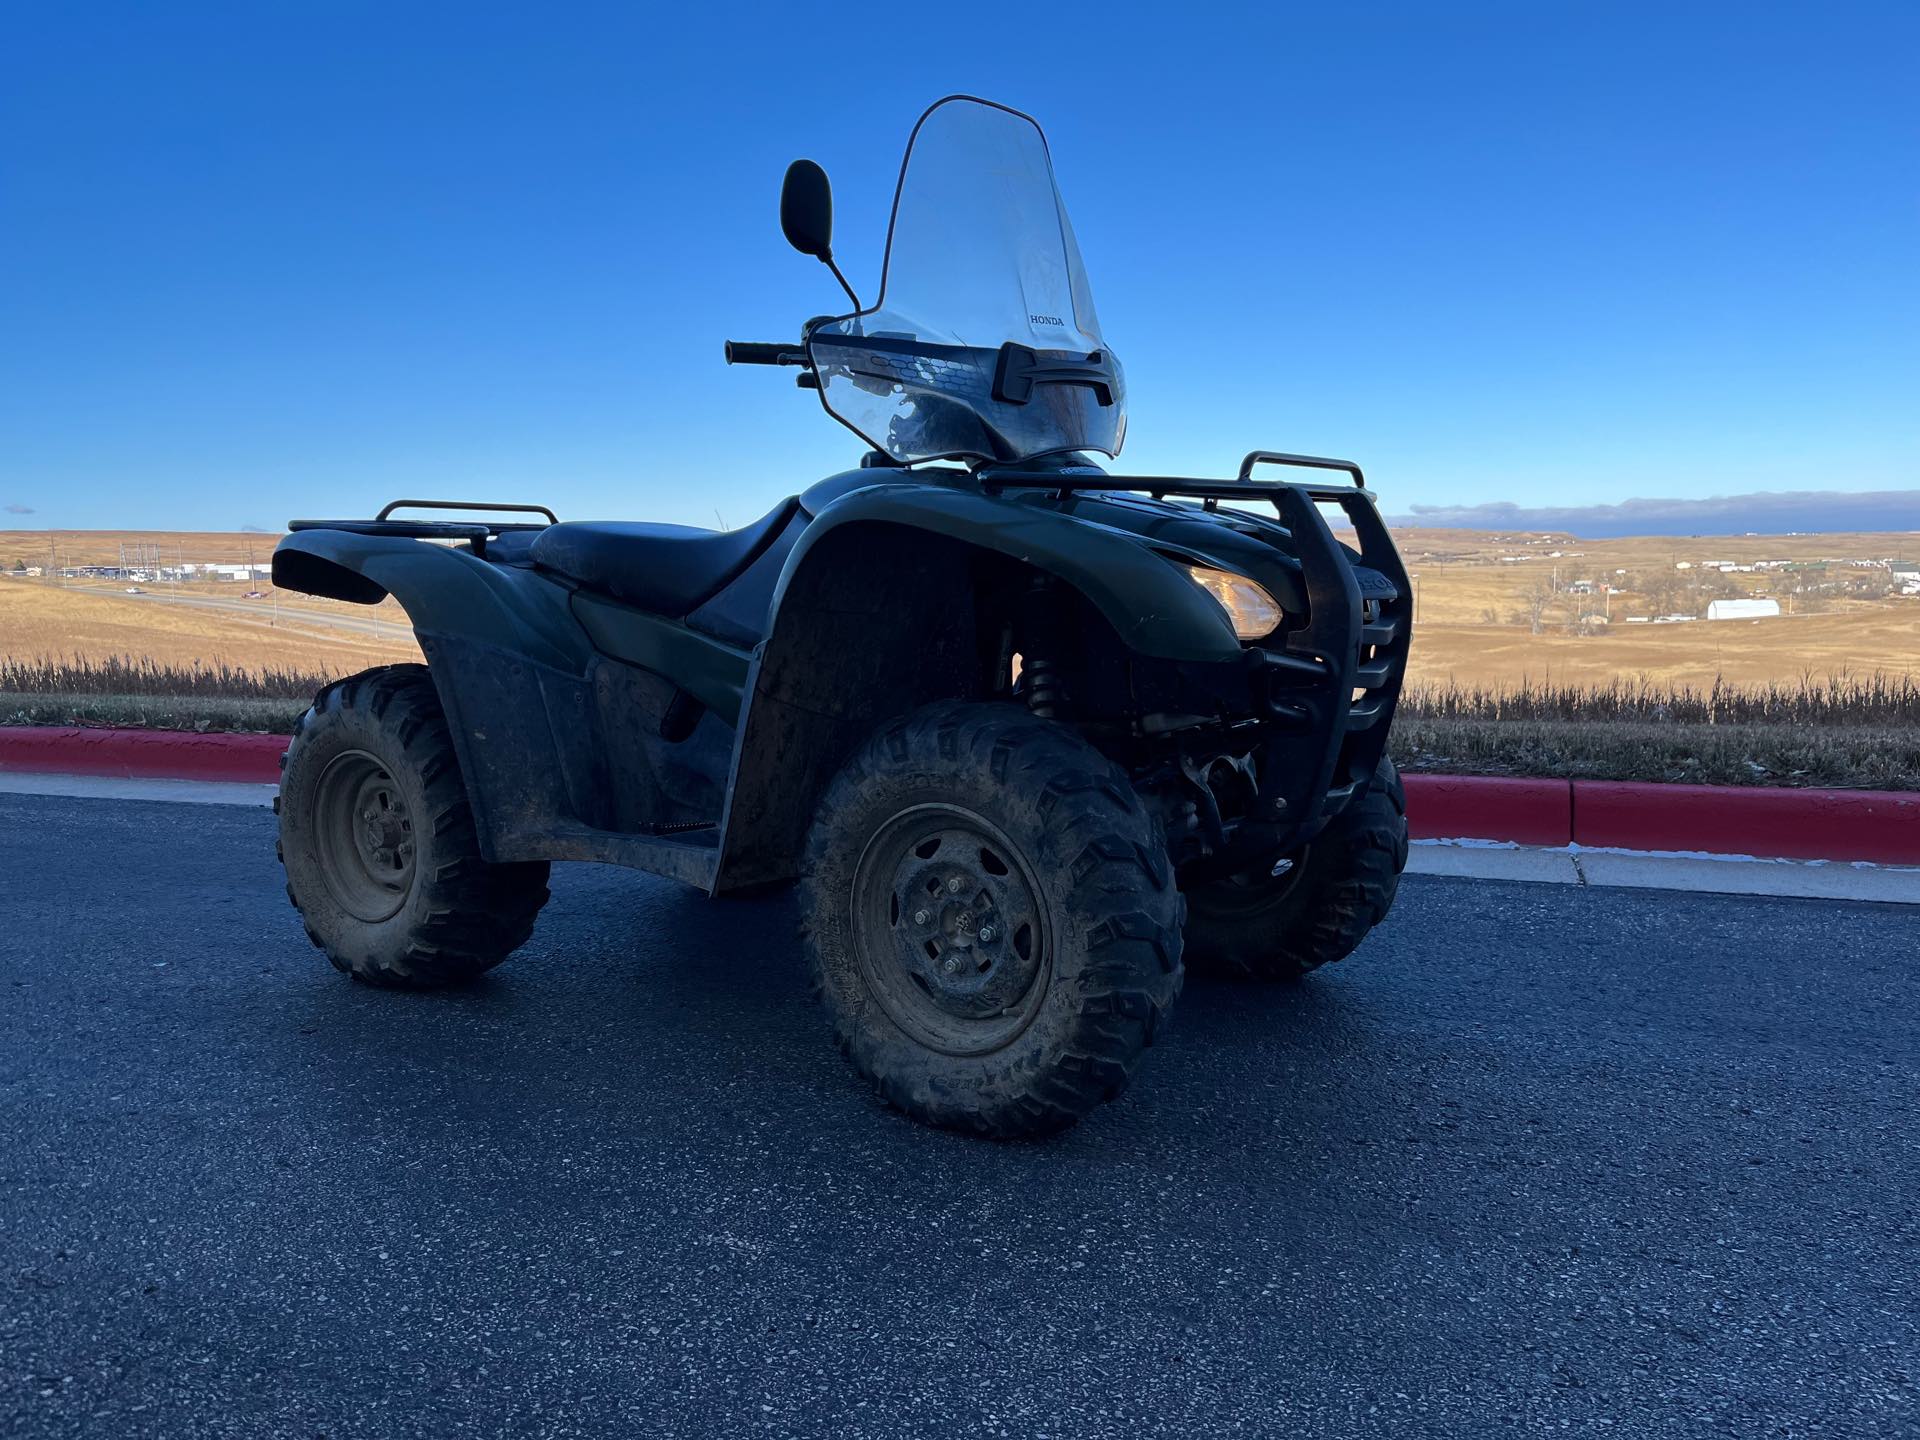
1032	737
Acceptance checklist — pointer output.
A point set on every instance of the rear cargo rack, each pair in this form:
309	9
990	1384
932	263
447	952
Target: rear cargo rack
1305	462
475	532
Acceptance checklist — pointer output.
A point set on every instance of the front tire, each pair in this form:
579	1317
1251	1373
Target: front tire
378	841
991	920
1318	908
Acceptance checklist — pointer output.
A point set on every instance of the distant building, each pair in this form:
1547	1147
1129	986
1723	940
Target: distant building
1742	609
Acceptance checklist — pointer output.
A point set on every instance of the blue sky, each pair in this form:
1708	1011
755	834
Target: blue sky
267	260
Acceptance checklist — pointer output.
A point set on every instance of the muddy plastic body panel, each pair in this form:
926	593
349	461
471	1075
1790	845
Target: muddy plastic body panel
693	746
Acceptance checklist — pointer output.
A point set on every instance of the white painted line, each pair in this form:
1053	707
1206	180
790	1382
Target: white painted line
107	787
1714	874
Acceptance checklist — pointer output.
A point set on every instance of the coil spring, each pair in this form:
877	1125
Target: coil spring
1045	693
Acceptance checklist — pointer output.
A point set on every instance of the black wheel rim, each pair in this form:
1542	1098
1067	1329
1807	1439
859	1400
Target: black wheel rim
949	931
363	836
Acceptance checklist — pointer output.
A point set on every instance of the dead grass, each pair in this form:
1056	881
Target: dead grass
224	713
1718	702
1879	701
121	675
1840	732
38	619
1850	757
145	694
1475	593
1851	732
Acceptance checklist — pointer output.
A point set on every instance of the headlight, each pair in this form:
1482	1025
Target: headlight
1251	609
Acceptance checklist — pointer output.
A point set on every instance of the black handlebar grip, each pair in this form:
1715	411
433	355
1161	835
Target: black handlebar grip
749	352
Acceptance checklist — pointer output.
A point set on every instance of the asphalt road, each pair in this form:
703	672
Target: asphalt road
262	613
1539	1159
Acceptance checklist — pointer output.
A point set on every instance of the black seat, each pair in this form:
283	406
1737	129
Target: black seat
669	569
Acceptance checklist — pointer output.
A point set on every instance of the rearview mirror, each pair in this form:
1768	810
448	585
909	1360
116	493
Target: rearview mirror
806	210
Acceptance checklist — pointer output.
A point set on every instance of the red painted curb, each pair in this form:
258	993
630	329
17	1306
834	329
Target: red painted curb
140	754
1882	826
1488	807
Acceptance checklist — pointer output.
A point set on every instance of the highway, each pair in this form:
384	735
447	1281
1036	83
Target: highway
263	612
1540	1159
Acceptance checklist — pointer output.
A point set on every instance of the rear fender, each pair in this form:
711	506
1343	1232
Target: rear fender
511	665
445	591
875	616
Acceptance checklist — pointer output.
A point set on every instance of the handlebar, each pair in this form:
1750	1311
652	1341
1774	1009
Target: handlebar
751	352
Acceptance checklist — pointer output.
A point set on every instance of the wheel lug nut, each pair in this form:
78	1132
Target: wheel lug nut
986	934
920	917
951	964
956	885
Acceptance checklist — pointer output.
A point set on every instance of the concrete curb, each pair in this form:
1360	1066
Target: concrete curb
1698	874
1879	826
1487	807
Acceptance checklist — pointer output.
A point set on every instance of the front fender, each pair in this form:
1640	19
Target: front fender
1152	607
446	592
875	615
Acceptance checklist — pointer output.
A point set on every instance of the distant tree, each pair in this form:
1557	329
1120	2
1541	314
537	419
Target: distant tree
1667	592
1534	601
1807	595
19	566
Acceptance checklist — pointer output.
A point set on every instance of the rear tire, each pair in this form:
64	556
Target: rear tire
991	919
378	841
1333	892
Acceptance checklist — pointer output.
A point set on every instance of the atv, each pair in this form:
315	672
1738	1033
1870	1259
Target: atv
1028	734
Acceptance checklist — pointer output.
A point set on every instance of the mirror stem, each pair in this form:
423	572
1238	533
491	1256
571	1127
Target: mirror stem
827	260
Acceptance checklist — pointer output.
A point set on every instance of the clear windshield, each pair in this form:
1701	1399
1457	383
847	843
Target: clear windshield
984	344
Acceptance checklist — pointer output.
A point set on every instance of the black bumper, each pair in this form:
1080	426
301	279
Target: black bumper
1330	687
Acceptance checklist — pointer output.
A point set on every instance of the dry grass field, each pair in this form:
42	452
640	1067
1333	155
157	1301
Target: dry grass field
1499	610
1491	609
204	622
1525	659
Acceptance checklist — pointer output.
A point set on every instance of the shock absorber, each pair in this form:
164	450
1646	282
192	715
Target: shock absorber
1045	692
1041	683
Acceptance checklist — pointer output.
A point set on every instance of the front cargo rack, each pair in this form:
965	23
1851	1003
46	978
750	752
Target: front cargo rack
1212	491
1295	500
1360	635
